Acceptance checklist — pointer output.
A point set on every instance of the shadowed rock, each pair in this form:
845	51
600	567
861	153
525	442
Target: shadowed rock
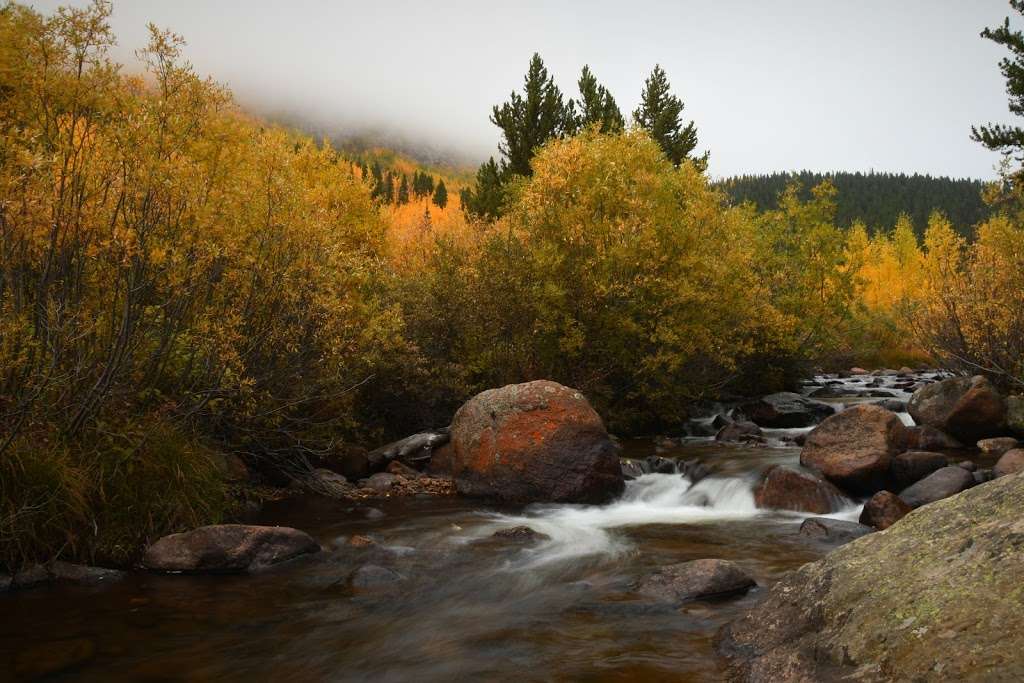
969	408
695	580
1011	462
833	530
913	466
520	534
883	510
227	548
998	445
786	410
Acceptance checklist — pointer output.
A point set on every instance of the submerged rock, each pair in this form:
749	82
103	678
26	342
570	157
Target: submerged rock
932	598
736	432
942	483
787	488
520	534
227	548
883	510
927	438
51	658
786	410
374	576
969	408
533	442
833	530
853	449
695	580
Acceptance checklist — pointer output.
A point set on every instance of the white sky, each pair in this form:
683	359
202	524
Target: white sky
888	85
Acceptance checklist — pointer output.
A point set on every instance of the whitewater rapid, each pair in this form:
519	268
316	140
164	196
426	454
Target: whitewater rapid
578	531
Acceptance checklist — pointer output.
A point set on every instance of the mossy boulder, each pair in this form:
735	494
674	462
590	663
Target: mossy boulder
936	597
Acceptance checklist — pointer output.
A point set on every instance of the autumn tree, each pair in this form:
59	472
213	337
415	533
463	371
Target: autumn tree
660	114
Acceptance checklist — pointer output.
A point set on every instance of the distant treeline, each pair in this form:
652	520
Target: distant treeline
877	199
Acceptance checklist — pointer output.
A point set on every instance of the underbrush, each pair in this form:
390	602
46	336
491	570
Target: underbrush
102	501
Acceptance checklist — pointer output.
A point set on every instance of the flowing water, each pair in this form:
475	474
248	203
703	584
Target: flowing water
450	602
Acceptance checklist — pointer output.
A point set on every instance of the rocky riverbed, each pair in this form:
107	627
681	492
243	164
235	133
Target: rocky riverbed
685	573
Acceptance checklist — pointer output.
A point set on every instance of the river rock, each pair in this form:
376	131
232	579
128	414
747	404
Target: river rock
374	576
787	488
520	534
942	483
913	466
227	548
696	579
969	408
934	598
412	449
1010	462
739	431
927	438
382	482
853	449
998	445
833	530
883	510
856	371
656	464
81	574
893	404
786	410
631	469
533	442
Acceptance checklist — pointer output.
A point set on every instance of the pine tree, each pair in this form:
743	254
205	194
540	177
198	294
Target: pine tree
403	191
487	196
1000	137
440	195
388	192
529	120
597	106
659	114
378	182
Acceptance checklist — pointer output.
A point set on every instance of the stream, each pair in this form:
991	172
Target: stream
445	601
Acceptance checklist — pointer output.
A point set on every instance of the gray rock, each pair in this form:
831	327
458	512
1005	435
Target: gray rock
786	410
893	404
83	574
940	484
381	482
737	432
631	469
695	580
224	548
520	534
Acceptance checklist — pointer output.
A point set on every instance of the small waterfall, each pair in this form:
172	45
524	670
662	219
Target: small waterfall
582	530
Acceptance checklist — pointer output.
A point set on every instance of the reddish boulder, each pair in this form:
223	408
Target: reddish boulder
1010	462
227	548
969	408
786	410
533	442
927	438
854	448
787	488
883	510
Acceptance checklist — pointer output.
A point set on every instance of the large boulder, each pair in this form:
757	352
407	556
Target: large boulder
786	410
883	510
533	442
787	488
853	449
227	548
913	466
695	580
942	483
927	438
936	597
969	408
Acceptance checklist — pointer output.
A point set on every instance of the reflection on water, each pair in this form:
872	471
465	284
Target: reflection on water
455	603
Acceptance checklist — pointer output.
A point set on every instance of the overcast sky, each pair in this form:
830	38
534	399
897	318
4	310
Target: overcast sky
888	85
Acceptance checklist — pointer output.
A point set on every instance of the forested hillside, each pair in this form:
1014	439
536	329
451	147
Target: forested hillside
876	199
